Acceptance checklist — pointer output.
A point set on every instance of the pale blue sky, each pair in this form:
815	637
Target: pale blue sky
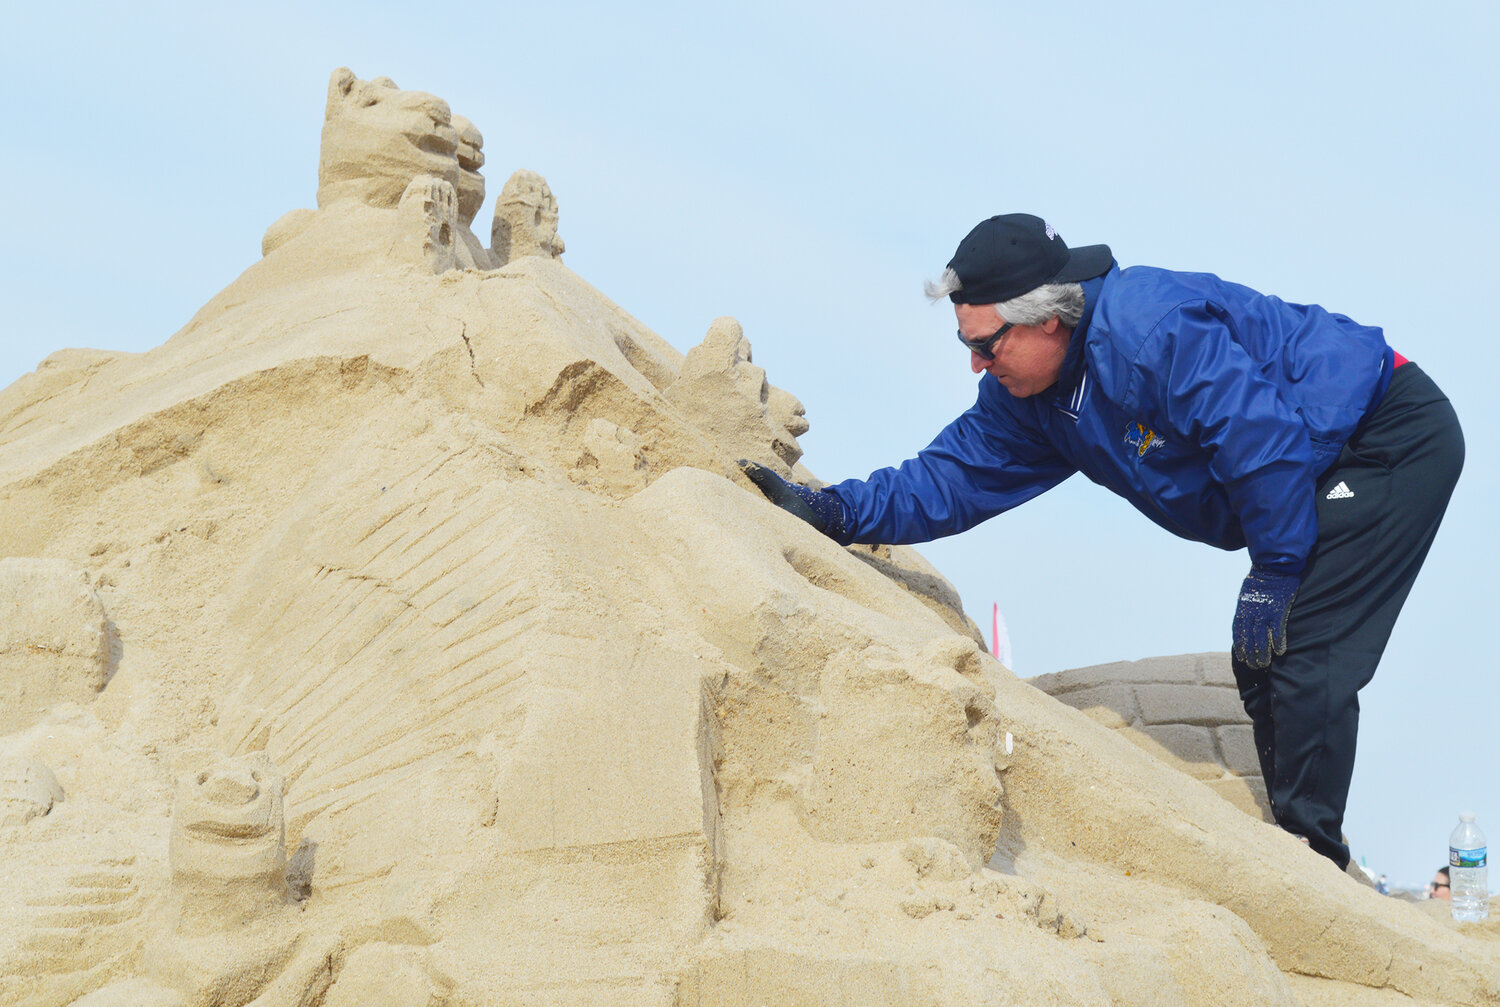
804	167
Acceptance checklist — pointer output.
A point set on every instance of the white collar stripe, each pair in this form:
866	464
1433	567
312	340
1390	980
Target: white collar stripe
1075	401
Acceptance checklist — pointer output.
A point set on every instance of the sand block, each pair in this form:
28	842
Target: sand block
1178	669
1237	747
752	977
1186	747
1110	704
1174	704
1215	668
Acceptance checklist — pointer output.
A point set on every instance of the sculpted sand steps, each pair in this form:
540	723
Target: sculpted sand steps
446	553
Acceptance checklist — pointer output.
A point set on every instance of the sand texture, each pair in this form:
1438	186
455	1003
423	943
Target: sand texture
1185	710
401	632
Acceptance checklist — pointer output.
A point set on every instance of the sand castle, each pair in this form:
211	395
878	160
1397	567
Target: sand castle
412	637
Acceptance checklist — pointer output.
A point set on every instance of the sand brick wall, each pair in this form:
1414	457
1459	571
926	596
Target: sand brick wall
1184	709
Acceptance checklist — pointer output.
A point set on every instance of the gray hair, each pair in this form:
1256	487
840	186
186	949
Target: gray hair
946	284
1065	300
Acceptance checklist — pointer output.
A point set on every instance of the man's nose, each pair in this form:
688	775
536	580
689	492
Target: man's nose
977	364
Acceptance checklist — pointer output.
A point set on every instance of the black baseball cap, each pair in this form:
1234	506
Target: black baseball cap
1014	253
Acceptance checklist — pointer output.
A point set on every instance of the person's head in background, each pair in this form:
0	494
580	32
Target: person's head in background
1438	888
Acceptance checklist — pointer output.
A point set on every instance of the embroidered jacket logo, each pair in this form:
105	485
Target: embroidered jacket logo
1143	439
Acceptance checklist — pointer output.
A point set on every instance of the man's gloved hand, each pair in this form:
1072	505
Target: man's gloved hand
1261	615
821	510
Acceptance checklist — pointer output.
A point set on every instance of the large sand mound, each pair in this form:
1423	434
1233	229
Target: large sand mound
401	632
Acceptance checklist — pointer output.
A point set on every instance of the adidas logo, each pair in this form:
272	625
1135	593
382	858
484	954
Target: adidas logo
1340	492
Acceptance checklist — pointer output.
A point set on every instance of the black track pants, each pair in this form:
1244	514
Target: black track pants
1379	507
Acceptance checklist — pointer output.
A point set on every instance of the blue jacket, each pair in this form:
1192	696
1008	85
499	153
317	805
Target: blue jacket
1210	407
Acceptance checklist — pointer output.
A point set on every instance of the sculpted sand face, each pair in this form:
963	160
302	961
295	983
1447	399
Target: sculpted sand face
727	395
386	149
229	839
470	160
376	137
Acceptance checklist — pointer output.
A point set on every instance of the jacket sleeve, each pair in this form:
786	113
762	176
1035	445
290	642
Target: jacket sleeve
982	463
1218	397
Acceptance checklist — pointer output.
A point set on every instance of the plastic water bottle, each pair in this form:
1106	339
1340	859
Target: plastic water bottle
1468	877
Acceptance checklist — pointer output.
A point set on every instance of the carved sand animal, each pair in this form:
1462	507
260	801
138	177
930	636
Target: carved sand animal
377	137
563	710
727	395
385	148
470	159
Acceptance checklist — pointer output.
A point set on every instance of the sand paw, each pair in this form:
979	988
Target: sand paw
427	224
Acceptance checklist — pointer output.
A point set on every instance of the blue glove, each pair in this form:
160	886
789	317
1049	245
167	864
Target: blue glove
1260	617
823	511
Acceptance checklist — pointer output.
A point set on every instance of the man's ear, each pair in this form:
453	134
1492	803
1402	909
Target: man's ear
1051	324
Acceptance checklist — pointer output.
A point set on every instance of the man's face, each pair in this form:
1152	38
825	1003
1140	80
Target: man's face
1438	887
1028	358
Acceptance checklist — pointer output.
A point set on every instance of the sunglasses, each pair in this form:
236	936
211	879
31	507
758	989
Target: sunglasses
984	345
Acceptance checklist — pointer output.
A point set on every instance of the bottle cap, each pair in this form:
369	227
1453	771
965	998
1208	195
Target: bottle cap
1466	816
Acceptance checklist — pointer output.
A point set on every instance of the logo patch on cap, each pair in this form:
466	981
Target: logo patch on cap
1051	234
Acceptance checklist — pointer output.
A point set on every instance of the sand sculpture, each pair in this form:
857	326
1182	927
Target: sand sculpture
54	639
228	843
563	711
28	789
727	397
1185	710
525	219
377	137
